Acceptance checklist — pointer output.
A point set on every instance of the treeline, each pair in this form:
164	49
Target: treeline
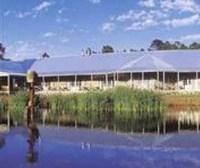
156	44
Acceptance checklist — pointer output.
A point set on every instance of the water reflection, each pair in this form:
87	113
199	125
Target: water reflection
33	138
2	142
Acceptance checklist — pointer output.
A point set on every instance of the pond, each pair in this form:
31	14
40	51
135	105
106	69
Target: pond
80	148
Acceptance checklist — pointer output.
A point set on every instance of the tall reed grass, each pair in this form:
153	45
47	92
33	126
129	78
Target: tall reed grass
124	109
16	106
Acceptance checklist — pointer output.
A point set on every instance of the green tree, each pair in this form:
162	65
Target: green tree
45	55
183	47
107	49
88	51
132	50
194	45
157	44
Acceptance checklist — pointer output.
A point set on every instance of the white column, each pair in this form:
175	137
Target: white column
196	82
131	78
91	80
58	83
178	79
8	84
114	79
142	80
106	81
43	80
117	77
163	80
158	80
75	82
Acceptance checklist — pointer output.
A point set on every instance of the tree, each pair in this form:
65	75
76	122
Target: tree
88	51
167	45
45	55
157	44
107	49
194	45
132	50
2	51
183	47
177	44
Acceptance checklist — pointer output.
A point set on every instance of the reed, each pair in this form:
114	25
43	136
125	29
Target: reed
122	108
16	106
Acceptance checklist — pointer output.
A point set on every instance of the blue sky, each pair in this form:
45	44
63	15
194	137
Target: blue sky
29	28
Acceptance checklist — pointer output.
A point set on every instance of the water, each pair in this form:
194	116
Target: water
81	148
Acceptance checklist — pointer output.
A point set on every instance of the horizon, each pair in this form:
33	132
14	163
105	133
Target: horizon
66	27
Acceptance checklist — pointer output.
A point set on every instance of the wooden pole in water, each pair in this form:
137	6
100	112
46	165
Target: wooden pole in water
30	78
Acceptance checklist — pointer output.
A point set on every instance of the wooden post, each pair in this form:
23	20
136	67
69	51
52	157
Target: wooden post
31	92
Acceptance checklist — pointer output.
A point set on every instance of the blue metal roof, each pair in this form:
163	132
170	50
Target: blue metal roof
184	60
147	62
82	65
16	67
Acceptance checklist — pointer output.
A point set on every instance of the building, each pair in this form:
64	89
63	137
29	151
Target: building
12	75
177	70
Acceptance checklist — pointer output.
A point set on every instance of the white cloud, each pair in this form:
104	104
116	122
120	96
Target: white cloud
190	37
61	20
84	31
188	21
24	50
60	11
180	5
95	1
64	39
20	42
108	27
143	15
147	3
21	15
131	15
142	25
44	5
49	34
7	13
32	12
171	13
